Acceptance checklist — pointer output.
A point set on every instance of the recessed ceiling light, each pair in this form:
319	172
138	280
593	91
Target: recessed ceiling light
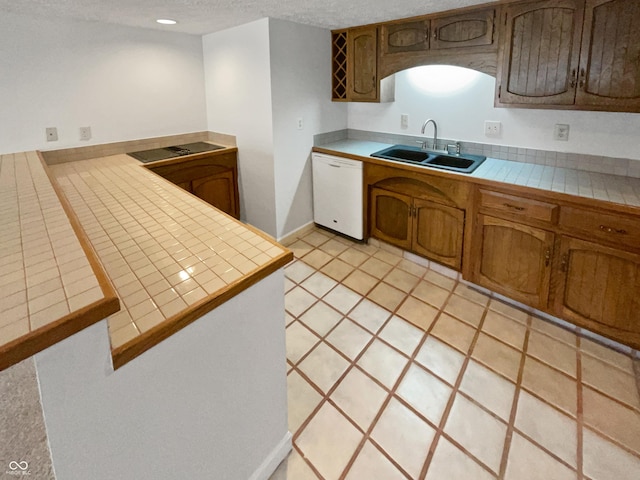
166	21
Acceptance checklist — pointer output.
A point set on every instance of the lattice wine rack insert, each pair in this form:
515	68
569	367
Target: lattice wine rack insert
339	66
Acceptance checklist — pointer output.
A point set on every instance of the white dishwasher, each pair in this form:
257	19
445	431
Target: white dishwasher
337	194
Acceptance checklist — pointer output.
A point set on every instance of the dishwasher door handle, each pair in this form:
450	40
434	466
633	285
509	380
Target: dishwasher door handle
334	165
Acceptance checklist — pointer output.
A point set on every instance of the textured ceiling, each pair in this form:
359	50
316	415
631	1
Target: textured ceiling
205	16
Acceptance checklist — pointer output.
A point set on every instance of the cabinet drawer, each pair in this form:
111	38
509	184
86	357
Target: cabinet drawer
519	206
609	226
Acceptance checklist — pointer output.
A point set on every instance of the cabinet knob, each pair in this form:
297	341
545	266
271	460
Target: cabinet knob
573	78
582	78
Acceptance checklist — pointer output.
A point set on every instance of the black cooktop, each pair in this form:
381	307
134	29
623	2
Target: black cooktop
156	154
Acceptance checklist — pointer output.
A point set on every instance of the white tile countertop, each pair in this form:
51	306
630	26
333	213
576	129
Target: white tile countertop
83	238
168	253
598	186
50	286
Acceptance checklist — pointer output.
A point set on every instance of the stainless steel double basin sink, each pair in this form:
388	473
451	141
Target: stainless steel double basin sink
462	163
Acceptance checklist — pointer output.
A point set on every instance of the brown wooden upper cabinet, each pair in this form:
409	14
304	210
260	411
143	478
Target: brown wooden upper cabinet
450	31
609	73
573	53
362	67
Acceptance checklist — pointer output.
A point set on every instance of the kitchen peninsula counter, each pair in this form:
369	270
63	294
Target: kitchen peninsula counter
170	256
51	283
622	193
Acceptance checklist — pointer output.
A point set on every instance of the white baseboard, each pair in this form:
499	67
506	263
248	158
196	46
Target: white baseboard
298	232
277	455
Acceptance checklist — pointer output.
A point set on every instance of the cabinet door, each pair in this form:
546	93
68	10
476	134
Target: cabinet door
466	30
610	56
362	64
514	260
437	232
390	220
541	52
598	287
405	37
219	191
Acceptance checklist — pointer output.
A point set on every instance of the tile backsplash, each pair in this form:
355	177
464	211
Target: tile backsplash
590	163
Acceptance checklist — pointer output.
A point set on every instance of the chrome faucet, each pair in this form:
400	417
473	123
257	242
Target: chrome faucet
435	133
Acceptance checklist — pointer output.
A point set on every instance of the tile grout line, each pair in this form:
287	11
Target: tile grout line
391	392
385	404
326	396
579	412
514	407
452	397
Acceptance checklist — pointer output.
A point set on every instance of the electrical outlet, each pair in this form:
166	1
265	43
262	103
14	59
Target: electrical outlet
404	120
52	134
300	123
561	132
85	133
492	129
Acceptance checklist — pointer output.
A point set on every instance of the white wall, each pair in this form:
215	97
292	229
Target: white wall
238	100
300	88
260	78
208	402
125	83
461	116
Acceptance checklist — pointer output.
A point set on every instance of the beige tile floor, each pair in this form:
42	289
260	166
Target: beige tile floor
396	371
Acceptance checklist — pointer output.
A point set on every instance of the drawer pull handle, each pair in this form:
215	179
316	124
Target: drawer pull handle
607	229
547	257
515	207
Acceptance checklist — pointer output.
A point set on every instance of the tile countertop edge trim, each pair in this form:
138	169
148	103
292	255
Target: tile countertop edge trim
552	195
35	341
137	346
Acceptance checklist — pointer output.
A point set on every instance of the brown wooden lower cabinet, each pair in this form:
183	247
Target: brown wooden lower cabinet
424	227
390	217
437	232
514	260
219	190
213	178
598	287
589	284
576	262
